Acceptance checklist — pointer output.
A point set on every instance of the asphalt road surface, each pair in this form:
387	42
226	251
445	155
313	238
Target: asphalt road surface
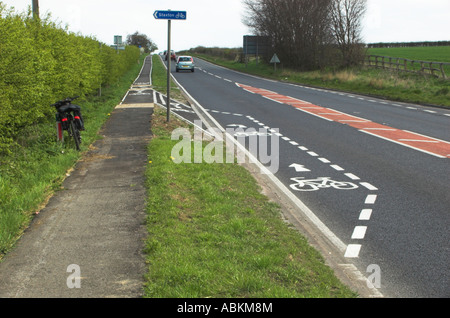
375	172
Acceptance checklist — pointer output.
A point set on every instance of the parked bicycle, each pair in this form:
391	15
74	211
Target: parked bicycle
68	118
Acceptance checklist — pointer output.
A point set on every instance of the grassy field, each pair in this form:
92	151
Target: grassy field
432	54
38	165
374	82
212	234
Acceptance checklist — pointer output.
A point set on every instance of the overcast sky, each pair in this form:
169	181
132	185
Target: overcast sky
213	23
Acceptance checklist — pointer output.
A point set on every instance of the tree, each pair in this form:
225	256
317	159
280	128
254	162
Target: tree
141	40
298	29
346	16
310	34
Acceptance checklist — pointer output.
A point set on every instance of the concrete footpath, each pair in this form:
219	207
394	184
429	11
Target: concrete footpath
88	241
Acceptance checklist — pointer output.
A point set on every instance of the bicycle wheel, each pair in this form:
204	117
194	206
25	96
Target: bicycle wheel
75	134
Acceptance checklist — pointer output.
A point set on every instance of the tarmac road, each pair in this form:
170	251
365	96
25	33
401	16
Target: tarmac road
389	204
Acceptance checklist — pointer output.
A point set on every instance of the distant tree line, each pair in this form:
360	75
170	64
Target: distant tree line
407	44
310	34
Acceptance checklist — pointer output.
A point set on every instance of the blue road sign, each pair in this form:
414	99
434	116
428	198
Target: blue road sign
170	15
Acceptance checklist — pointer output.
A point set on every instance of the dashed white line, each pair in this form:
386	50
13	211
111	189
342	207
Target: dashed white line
359	232
352	251
352	176
368	186
365	215
337	168
371	198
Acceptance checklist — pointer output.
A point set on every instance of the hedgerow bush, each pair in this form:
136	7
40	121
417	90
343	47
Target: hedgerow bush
42	62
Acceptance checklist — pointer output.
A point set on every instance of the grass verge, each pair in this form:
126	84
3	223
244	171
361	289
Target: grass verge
379	83
38	164
213	234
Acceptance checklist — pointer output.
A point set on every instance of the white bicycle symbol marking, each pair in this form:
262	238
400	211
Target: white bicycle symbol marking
321	183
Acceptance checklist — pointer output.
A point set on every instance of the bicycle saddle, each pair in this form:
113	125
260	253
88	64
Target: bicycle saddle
69	108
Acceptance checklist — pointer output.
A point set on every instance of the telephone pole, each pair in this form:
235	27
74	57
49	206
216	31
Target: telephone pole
35	6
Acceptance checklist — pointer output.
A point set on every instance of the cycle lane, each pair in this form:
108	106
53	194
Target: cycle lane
88	240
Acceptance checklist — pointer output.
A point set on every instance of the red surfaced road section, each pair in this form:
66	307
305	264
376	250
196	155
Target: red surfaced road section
429	145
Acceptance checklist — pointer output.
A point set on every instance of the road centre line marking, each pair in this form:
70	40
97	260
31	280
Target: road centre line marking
324	160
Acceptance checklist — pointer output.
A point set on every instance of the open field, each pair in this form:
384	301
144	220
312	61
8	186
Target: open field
430	53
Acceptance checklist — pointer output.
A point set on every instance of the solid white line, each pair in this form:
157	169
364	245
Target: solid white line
303	110
273	100
417	140
405	145
425	136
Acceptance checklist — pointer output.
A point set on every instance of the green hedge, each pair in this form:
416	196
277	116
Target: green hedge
41	62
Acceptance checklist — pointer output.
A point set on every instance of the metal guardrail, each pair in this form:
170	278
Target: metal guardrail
437	69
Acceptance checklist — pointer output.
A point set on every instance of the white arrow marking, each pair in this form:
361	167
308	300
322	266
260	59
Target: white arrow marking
299	168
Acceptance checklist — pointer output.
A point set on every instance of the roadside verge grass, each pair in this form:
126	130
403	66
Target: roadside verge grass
212	234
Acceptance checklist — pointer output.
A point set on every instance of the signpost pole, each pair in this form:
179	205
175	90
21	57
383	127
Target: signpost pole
169	60
169	15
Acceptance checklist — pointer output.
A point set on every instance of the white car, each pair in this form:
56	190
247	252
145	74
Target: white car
185	63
